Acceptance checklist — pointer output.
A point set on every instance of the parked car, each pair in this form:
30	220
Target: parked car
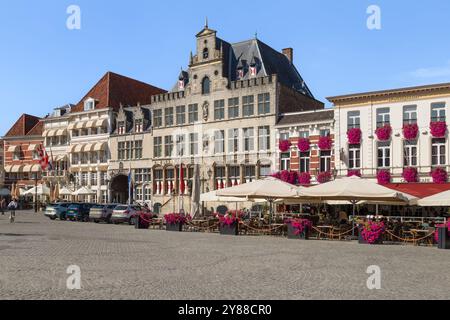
56	210
125	213
101	212
79	211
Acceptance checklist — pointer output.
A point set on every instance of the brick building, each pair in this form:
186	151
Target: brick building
21	159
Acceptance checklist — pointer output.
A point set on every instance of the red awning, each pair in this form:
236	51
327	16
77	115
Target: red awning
419	190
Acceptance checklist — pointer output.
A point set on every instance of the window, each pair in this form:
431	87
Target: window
157	118
168	146
409	114
304	161
93	178
248	108
410	153
234	174
157	147
264	170
103	156
193	144
147	193
438	152
264	103
89	104
303	134
219	141
219	110
219	173
438	112
384	154
139	125
264	138
249	173
383	117
139	194
104	194
206	83
168	116
354	157
193	113
138	149
284	135
128	150
121	150
353	119
249	139
180	144
94	157
205	53
75	159
181	115
233	108
142	175
103	176
285	161
233	140
325	161
325	132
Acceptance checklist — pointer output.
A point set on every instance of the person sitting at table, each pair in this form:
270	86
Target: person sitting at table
343	217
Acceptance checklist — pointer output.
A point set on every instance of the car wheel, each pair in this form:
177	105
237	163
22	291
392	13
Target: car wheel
52	218
96	221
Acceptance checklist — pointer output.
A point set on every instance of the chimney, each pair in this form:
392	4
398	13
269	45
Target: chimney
289	53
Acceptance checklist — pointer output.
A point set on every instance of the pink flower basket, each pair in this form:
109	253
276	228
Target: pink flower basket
436	233
304	178
372	232
438	129
285	145
410	131
410	175
325	143
287	176
383	177
230	217
354	136
304	145
384	133
324	177
354	173
439	176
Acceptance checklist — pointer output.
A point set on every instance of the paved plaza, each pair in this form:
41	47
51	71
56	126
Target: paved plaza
120	262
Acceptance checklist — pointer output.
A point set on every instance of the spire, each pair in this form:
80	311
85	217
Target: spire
191	59
206	22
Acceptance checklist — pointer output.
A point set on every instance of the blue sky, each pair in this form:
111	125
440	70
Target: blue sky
44	65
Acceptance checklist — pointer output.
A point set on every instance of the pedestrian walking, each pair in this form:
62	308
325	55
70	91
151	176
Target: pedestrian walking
12	206
2	206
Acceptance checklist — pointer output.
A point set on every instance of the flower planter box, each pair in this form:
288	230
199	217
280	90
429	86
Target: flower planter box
229	230
443	238
362	241
178	227
140	223
292	233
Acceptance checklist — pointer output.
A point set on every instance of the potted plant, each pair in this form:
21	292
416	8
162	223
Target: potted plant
383	177
298	228
175	221
410	131
354	173
371	232
304	178
410	175
439	175
325	143
229	223
304	145
324	177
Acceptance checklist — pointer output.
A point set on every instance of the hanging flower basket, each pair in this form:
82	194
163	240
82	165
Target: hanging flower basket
287	176
410	175
372	233
324	177
276	175
325	143
298	228
304	178
410	131
384	133
383	177
352	173
438	129
439	175
304	145
285	145
354	136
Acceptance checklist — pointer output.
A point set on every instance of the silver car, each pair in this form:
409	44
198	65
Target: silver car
101	212
125	213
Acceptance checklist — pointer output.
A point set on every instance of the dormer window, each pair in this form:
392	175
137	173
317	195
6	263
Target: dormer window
121	127
205	53
139	126
253	70
240	73
89	104
206	84
181	84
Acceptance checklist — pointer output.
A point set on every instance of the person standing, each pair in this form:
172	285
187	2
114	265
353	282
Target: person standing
12	206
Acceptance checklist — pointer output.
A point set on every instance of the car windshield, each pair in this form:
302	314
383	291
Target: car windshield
113	206
74	206
121	208
52	205
97	206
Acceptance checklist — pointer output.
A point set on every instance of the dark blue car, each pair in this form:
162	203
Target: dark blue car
79	212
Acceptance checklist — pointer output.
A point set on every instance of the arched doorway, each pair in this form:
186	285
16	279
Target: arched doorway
119	189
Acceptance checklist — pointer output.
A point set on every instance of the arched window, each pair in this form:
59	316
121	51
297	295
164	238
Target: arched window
206	83
205	53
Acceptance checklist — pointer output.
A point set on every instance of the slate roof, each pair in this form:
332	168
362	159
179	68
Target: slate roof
305	117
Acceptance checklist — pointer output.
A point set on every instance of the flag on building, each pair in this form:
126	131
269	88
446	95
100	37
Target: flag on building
43	158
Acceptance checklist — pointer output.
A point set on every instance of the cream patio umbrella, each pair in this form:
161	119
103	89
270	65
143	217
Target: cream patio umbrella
42	190
65	192
269	189
438	200
84	191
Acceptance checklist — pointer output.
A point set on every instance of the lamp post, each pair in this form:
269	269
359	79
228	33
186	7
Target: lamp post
35	193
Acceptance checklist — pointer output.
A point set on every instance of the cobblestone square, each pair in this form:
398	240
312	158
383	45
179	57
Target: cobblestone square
120	262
